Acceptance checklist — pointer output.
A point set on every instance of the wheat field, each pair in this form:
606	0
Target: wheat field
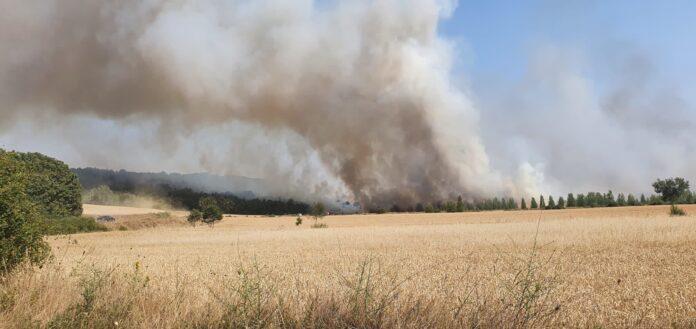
578	268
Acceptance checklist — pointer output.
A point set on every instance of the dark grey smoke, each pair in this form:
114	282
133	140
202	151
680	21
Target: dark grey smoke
365	84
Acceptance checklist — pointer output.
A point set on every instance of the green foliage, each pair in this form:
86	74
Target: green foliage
571	203
21	237
676	211
534	204
194	217
460	204
655	200
73	225
631	200
643	201
552	204
542	203
511	204
210	210
429	208
177	190
621	200
50	184
580	202
450	206
671	189
609	198
523	204
318	211
561	203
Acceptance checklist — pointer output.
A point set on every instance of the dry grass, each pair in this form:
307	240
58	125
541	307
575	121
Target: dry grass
618	267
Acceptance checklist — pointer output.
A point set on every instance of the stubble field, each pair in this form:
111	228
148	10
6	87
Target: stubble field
613	267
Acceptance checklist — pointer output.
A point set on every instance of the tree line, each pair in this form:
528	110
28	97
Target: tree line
668	191
176	193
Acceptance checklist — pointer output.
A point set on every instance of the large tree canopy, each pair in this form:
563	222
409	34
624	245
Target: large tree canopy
20	225
50	184
671	189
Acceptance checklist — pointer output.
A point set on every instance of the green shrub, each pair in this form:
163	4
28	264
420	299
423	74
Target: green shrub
73	225
21	237
50	184
676	211
194	217
210	210
320	225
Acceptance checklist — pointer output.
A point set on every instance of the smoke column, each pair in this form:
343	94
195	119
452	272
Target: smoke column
365	84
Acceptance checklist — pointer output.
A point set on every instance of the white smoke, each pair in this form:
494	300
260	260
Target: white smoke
351	98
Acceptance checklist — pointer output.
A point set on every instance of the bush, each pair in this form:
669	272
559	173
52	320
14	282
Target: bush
21	237
50	184
676	211
210	211
73	225
194	217
319	225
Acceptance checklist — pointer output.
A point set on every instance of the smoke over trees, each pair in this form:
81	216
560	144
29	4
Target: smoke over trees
362	83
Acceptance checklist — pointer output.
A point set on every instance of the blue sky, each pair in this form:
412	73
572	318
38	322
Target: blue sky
500	36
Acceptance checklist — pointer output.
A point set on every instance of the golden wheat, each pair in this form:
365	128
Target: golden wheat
614	267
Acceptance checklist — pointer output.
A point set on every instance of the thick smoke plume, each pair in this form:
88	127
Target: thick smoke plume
364	83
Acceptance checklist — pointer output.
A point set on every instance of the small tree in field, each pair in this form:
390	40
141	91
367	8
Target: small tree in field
210	211
534	204
523	204
318	211
542	203
671	189
561	203
552	204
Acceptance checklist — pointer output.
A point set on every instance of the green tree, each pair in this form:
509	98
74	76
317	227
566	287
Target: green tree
561	203
671	189
534	203
194	217
53	188
512	205
552	204
621	200
643	201
609	199
571	201
523	204
460	204
631	200
210	210
318	211
580	201
542	203
450	206
21	231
